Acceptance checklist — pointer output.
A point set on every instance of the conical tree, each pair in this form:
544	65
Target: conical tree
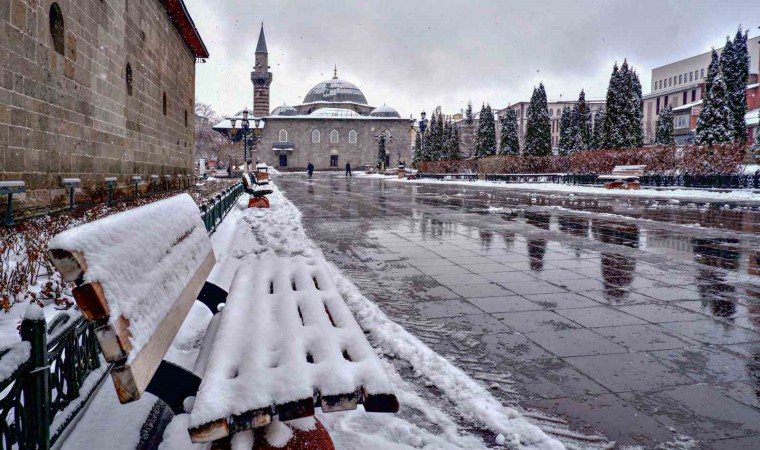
664	135
418	154
582	121
734	63
468	117
381	151
485	140
509	142
756	146
445	142
538	139
613	133
452	142
565	143
597	142
715	122
635	105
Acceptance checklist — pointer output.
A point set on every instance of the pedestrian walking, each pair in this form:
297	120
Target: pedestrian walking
348	169
310	169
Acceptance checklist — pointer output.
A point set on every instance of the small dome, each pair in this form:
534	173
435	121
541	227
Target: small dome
335	91
334	112
284	110
384	111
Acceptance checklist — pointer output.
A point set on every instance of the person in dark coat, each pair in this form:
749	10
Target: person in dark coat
310	169
348	169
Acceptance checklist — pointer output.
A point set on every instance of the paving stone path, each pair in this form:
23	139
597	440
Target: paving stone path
622	316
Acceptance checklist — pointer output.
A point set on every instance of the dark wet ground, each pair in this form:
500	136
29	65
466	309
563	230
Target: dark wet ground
623	316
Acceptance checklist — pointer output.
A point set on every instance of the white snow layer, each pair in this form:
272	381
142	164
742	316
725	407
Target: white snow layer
16	355
250	234
129	254
276	315
696	194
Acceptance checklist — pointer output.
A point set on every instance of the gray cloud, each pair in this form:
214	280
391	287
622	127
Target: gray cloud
418	54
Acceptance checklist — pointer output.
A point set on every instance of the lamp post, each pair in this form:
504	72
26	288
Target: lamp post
245	124
387	143
423	126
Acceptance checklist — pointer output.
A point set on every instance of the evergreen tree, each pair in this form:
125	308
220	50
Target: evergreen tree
485	140
623	119
582	121
734	63
664	135
468	118
635	111
565	143
434	138
509	143
538	139
418	154
756	145
715	122
381	151
454	152
597	142
445	147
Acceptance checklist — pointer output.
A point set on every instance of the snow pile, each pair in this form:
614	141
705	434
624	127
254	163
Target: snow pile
280	313
697	194
136	283
14	356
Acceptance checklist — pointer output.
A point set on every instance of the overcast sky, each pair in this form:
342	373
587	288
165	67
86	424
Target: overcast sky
414	55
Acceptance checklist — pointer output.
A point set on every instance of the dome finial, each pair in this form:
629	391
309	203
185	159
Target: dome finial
335	72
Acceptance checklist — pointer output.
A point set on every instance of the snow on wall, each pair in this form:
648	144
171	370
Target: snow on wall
129	254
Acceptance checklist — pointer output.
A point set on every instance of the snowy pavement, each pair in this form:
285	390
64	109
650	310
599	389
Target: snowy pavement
634	318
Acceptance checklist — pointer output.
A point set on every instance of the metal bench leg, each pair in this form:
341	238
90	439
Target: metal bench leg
173	384
211	295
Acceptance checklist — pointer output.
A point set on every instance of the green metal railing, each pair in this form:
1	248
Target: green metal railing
63	354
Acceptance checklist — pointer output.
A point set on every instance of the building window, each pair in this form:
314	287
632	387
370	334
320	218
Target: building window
334	137
129	79
283	136
57	28
681	121
315	137
691	76
333	160
352	137
702	73
680	79
666	101
283	161
551	113
658	106
685	98
185	118
693	95
164	106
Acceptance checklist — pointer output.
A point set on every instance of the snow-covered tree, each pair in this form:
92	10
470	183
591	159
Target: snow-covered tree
434	138
468	117
734	64
664	135
565	143
597	141
485	140
715	122
582	121
452	142
623	125
418	153
635	111
381	151
538	138
509	143
756	146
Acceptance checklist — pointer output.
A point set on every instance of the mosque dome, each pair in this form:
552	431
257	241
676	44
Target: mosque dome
335	91
284	110
384	111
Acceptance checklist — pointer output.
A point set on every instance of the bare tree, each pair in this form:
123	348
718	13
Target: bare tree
207	141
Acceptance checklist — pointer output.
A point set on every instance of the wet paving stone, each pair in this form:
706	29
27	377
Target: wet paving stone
640	330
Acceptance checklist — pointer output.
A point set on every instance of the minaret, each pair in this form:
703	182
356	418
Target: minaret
261	78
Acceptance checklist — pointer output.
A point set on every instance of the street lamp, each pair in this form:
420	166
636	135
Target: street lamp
245	124
423	125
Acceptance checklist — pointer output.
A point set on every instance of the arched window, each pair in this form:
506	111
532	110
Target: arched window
129	79
185	118
352	137
57	28
315	137
334	137
164	103
283	136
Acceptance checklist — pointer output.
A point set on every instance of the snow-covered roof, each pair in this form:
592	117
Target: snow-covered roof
384	111
335	90
226	124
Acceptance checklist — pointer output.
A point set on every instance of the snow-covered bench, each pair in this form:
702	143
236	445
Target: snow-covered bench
623	177
258	196
284	343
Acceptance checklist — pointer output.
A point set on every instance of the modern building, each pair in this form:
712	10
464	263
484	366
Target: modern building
681	85
555	114
333	125
93	89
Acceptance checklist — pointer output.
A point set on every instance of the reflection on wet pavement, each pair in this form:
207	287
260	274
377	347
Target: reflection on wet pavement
635	318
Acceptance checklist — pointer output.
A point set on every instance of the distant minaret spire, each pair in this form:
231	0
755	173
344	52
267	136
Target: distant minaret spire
261	77
335	72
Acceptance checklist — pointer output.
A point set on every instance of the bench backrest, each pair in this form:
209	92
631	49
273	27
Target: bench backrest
138	273
629	170
261	177
247	184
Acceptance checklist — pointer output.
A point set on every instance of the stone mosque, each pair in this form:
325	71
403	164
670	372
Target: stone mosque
334	125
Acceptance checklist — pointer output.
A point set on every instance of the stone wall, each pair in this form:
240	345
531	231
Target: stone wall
71	115
364	151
